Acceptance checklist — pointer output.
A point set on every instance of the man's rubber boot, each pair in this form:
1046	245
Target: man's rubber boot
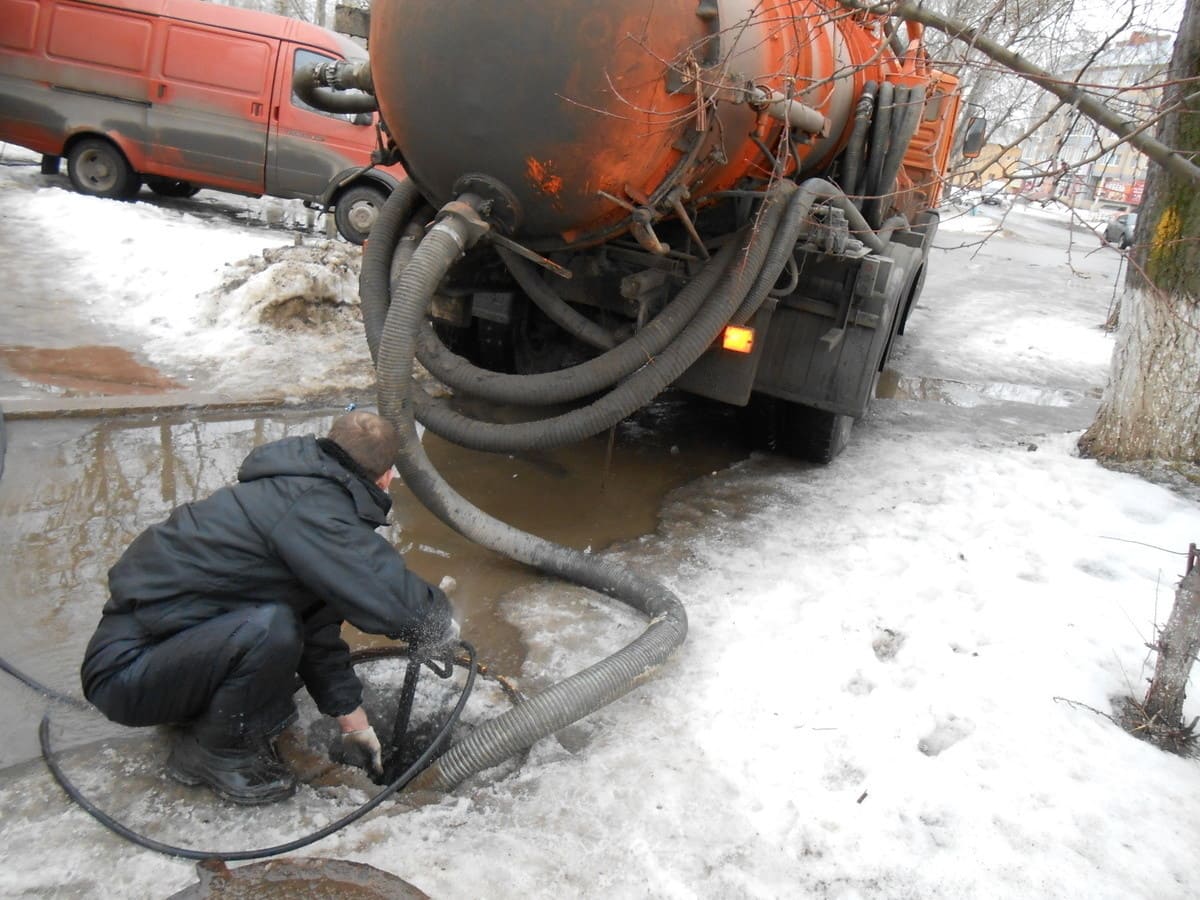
246	775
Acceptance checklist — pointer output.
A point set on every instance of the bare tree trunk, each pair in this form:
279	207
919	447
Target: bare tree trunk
1177	646
1151	408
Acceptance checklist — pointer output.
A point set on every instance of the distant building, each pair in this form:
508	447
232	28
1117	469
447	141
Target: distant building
996	162
1070	143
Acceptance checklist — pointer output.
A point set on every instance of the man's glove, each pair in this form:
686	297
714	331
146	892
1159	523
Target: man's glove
362	749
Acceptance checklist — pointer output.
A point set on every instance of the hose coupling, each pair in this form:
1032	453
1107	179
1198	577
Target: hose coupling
460	219
793	112
344	76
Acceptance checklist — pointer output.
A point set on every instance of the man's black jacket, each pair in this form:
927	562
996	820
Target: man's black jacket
298	528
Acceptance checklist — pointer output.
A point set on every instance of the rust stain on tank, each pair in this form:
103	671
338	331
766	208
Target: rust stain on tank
87	369
541	176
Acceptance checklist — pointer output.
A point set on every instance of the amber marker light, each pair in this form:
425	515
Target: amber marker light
738	338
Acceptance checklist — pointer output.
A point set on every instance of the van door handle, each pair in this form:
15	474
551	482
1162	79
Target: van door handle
162	90
256	109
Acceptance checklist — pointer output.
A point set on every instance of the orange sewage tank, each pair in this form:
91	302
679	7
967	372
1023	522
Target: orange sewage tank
574	113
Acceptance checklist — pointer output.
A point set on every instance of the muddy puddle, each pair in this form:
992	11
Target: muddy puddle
88	369
75	493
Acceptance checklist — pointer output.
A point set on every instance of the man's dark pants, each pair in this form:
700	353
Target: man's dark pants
230	679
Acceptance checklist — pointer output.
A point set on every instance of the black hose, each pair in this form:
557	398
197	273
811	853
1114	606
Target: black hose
48	692
408	693
236	855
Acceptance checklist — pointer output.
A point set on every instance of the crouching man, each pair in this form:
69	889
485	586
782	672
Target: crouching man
214	612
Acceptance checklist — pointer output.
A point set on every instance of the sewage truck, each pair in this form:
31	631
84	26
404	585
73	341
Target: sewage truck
736	199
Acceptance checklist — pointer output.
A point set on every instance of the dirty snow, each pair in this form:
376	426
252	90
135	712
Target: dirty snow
216	291
898	665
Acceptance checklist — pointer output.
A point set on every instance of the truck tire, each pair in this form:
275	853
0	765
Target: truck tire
356	210
802	432
98	168
171	187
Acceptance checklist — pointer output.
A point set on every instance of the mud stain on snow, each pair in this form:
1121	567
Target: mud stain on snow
88	369
896	386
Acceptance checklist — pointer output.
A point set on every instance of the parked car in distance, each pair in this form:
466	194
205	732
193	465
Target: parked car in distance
994	193
180	95
1119	230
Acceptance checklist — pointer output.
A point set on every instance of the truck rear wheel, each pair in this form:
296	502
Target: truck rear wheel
356	210
804	432
98	168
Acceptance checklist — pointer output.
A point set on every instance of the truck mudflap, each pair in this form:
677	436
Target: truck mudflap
346	177
822	345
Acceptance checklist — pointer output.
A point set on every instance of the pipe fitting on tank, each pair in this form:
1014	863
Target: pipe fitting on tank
461	221
343	75
321	86
641	226
793	112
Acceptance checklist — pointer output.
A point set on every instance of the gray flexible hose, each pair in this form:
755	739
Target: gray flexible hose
911	103
852	159
566	701
556	309
781	248
652	378
881	136
588	378
599	684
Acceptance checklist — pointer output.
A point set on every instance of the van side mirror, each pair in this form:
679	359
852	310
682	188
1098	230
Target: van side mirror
973	136
363	119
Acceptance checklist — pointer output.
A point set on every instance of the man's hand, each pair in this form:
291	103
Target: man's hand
442	646
360	745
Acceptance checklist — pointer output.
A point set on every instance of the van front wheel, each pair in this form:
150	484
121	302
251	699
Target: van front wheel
356	210
98	168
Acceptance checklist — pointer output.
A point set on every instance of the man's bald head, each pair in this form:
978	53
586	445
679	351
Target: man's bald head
370	440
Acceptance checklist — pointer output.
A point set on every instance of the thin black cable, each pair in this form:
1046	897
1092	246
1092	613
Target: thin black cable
186	853
31	682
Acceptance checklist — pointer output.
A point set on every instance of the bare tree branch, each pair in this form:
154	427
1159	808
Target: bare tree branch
1067	91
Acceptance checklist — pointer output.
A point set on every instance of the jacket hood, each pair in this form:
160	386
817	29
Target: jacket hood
303	456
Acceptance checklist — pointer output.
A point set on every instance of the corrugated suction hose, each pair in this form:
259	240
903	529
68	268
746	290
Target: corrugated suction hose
394	319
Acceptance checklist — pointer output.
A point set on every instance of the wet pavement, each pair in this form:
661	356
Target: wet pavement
75	493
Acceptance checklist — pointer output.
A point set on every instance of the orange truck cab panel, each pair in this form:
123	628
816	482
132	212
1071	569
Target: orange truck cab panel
182	94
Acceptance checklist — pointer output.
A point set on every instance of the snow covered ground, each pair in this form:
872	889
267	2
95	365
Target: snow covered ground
202	289
890	685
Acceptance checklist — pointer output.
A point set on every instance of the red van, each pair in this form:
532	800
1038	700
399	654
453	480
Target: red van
182	94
